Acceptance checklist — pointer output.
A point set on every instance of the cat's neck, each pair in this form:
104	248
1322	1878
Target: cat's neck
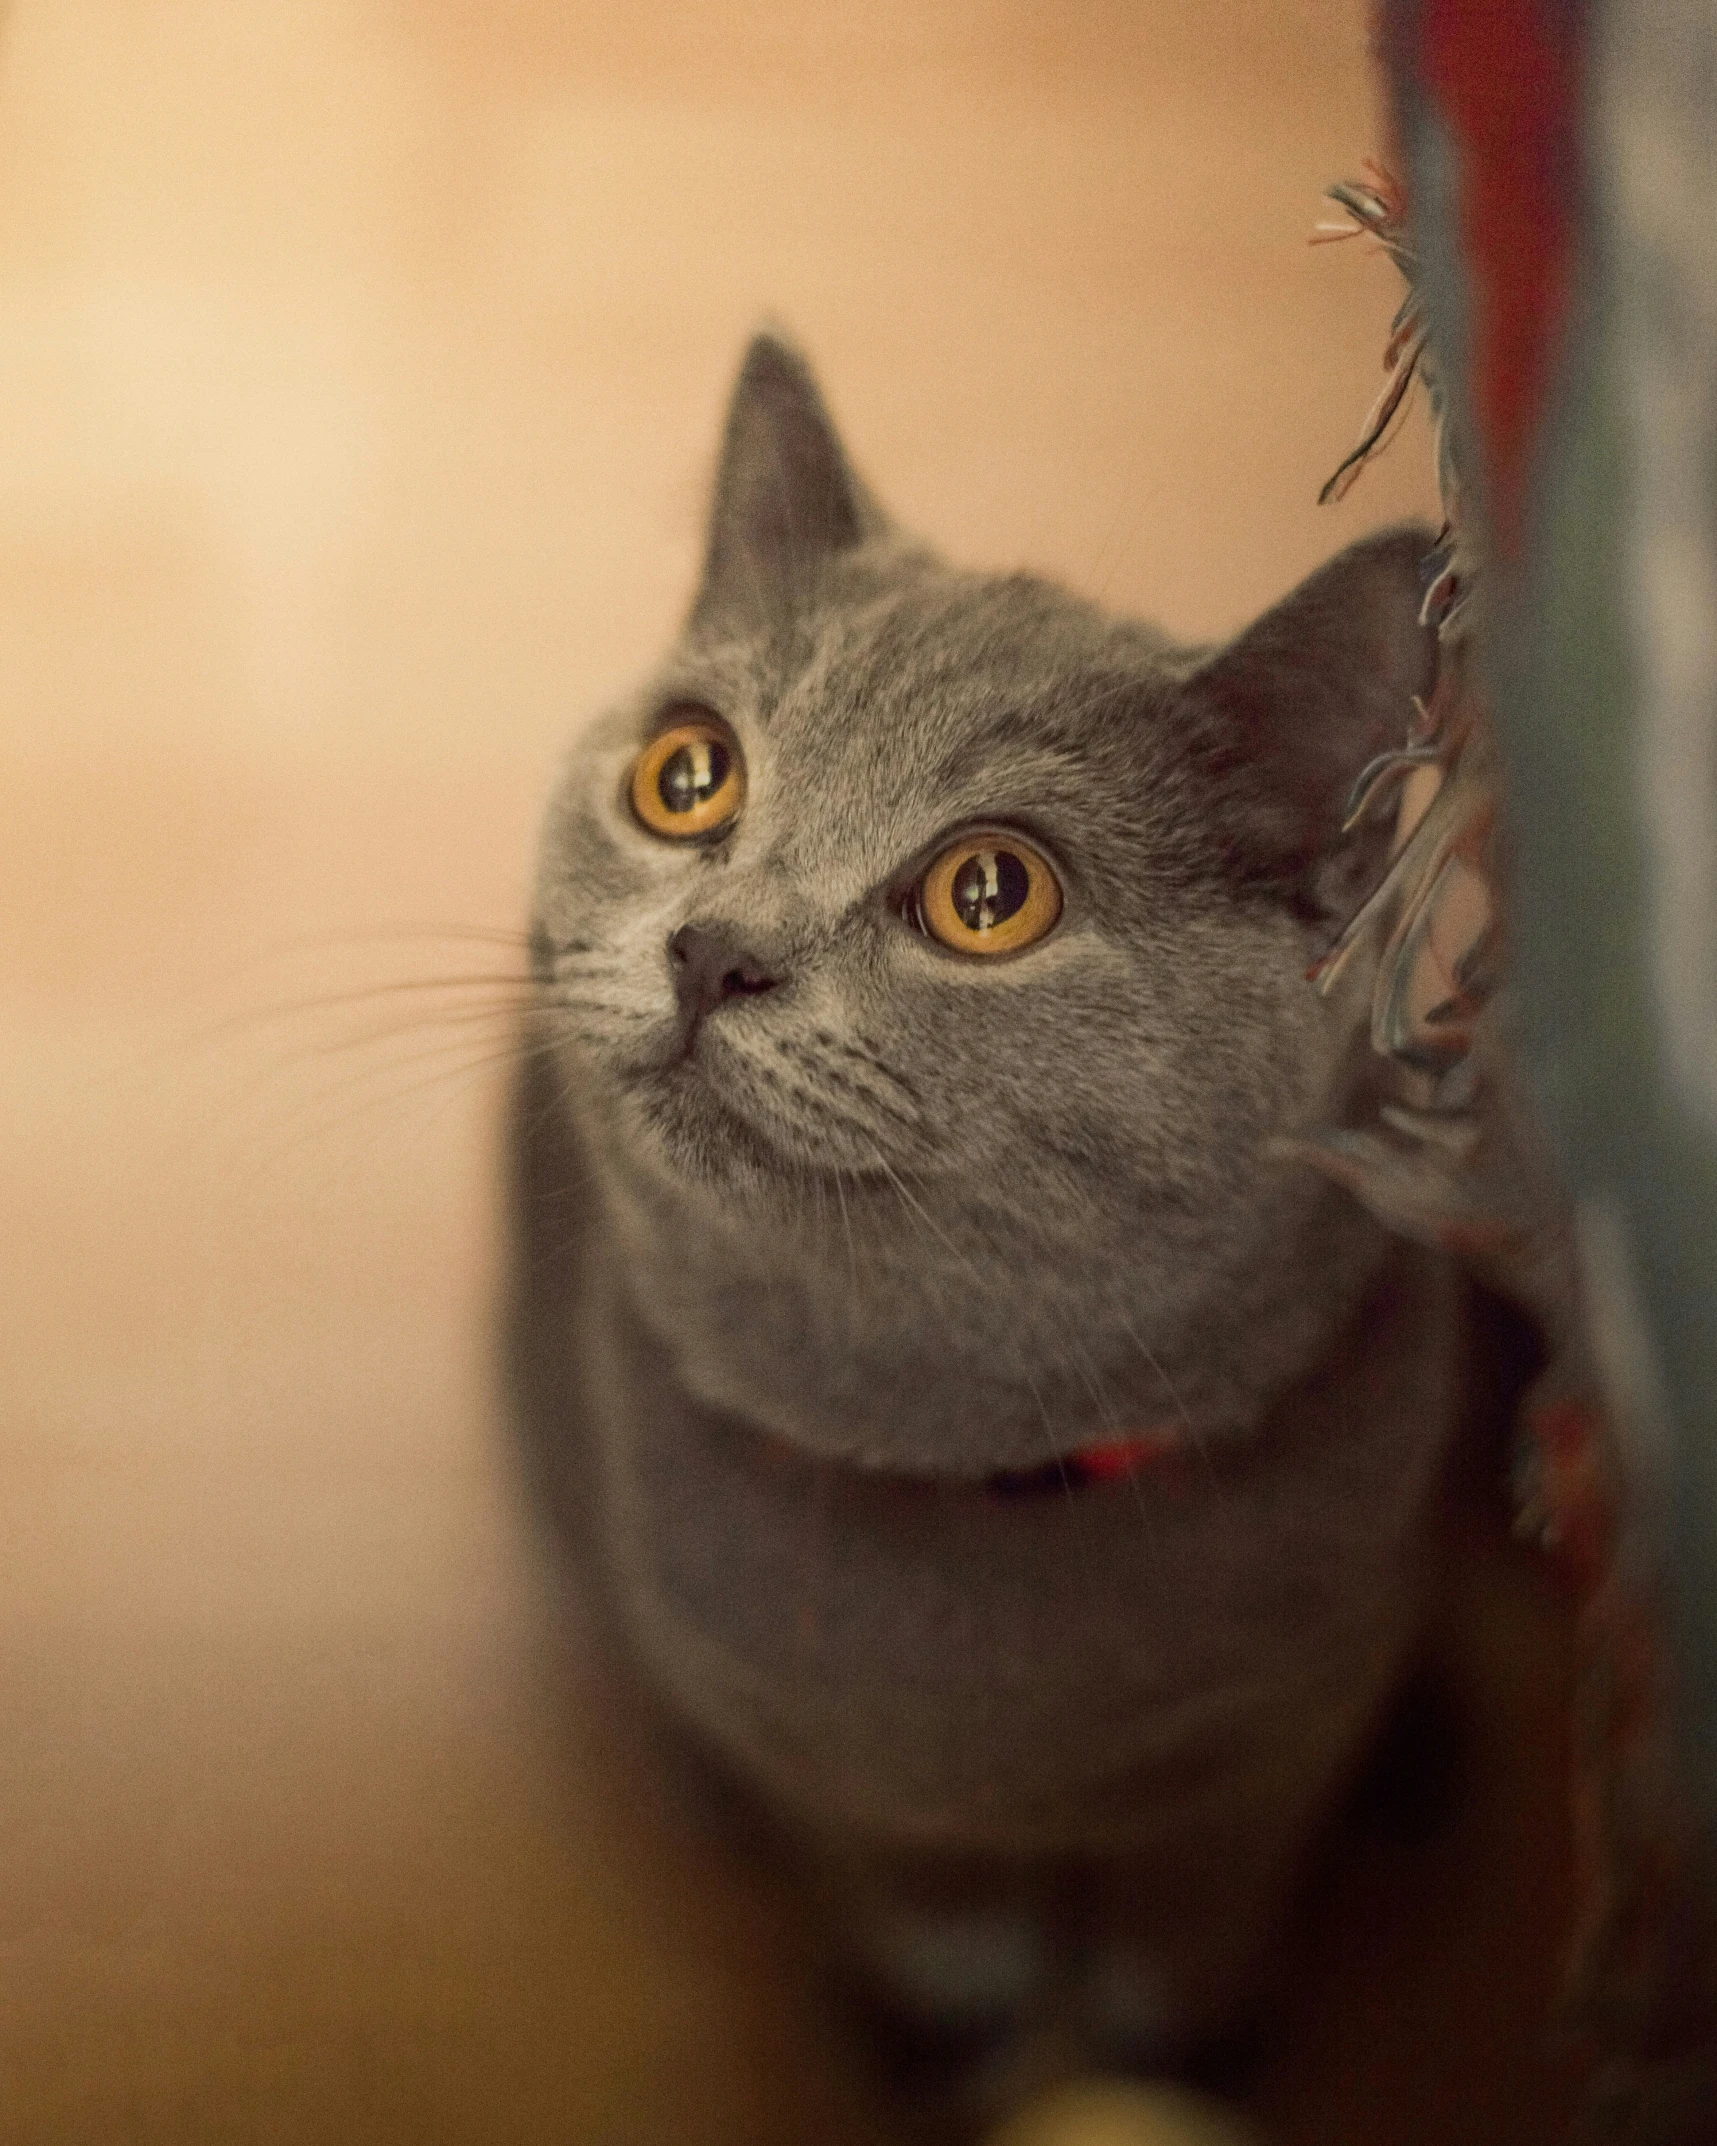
872	1328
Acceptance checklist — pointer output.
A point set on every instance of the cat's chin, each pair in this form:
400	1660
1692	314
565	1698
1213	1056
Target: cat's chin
694	1139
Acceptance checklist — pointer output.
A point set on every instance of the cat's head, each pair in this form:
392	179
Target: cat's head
931	940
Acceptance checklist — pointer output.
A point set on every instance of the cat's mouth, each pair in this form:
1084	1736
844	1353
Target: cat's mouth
723	1118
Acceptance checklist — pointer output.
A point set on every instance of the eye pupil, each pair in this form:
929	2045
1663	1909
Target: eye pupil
989	887
692	774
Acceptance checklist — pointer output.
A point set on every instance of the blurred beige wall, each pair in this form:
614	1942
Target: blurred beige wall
360	362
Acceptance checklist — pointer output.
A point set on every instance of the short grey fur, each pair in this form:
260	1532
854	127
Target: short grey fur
801	1282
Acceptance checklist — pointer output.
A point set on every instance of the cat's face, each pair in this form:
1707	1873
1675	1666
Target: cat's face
931	947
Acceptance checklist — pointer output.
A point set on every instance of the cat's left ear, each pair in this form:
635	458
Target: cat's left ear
786	498
1302	700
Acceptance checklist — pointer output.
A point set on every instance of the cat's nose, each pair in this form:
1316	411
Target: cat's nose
710	963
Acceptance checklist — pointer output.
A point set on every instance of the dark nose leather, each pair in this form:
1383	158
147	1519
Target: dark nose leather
709	964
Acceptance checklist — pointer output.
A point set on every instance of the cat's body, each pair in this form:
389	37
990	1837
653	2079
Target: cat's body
840	1251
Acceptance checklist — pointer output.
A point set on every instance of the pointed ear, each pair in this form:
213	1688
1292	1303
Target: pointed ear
785	498
1302	700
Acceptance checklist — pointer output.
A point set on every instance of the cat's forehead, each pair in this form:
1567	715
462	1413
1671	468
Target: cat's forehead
898	711
931	654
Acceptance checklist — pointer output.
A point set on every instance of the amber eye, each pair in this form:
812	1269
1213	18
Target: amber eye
988	894
689	780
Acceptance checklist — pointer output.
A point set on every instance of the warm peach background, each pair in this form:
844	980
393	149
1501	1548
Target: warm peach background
359	366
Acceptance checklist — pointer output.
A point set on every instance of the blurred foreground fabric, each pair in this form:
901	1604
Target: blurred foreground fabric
1553	905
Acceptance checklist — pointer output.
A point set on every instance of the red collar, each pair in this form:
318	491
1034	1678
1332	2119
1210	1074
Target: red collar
1161	1453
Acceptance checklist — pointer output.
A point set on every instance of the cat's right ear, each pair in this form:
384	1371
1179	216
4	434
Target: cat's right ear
786	498
1302	701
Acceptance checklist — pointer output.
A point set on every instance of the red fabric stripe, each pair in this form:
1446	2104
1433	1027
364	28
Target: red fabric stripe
1505	75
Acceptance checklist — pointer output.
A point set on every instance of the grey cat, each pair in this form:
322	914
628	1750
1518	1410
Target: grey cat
975	1440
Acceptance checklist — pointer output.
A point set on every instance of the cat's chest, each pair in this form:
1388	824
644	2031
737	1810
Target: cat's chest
939	1661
